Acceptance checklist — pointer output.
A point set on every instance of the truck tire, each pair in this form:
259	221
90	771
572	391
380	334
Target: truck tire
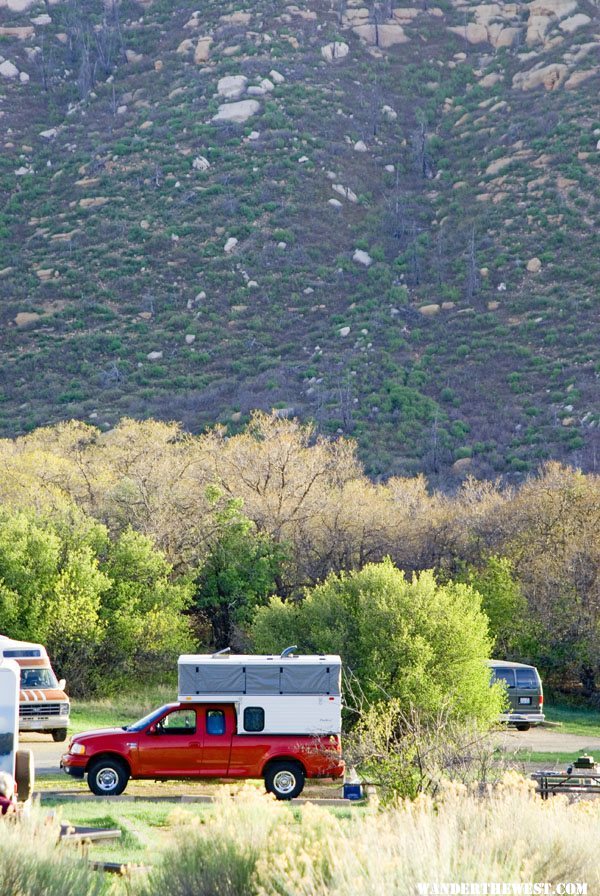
285	779
59	734
24	774
523	726
107	777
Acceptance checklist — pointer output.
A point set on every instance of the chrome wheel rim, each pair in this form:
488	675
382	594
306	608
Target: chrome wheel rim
284	782
107	779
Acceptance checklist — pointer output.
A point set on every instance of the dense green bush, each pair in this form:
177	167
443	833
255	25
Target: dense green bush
421	642
108	610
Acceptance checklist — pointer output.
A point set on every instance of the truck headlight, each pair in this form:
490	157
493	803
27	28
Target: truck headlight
77	749
64	709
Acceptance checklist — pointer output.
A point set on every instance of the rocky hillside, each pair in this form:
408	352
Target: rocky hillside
380	217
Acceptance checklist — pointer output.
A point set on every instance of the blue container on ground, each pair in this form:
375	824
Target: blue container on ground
353	791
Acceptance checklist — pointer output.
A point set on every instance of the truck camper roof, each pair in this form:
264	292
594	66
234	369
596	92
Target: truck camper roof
245	674
248	659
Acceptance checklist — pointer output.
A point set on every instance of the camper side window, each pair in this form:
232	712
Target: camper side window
254	718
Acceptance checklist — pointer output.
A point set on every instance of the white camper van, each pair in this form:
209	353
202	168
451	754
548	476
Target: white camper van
43	704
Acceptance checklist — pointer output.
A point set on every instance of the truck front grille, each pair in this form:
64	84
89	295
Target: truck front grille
32	710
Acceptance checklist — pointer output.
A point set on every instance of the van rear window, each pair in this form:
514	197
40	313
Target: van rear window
527	678
506	675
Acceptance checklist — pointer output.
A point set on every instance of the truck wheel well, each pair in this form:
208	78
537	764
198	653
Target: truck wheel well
290	759
116	757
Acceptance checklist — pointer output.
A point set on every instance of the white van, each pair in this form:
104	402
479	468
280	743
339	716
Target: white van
43	704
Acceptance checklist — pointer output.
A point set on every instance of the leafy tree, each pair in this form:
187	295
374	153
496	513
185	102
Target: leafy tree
142	609
30	556
107	611
503	602
416	640
239	574
75	630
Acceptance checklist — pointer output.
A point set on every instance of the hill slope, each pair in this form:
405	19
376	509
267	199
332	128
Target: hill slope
414	198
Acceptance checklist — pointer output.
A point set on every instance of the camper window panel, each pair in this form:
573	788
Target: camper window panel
263	679
254	718
305	679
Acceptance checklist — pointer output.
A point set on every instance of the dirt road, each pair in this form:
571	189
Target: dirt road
548	740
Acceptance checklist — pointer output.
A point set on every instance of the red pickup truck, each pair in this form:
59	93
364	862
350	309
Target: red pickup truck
199	740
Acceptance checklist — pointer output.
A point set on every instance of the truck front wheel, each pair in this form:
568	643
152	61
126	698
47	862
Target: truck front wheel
107	777
285	780
59	734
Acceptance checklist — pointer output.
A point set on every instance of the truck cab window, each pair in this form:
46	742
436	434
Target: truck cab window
182	721
215	721
254	718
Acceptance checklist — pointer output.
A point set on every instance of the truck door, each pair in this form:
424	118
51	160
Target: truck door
218	726
172	746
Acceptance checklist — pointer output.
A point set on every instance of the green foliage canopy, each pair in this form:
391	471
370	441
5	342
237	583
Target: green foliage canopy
413	639
107	610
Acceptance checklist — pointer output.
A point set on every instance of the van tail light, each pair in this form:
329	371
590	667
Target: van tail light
541	699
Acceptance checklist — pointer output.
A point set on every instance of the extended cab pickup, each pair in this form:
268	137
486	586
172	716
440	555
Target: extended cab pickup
183	740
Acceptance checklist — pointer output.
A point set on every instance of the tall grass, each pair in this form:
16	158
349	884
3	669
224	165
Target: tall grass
32	863
251	846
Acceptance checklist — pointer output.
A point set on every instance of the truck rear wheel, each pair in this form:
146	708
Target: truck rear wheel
285	780
59	734
523	726
24	774
107	777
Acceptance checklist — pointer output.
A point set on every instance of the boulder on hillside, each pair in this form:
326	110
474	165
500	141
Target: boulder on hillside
231	87
362	257
550	76
336	50
202	51
9	70
237	112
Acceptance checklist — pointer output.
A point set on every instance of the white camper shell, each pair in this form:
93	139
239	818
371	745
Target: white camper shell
297	694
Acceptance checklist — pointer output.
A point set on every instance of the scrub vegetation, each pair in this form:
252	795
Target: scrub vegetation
248	845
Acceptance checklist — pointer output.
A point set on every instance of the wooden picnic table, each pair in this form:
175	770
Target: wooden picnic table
579	780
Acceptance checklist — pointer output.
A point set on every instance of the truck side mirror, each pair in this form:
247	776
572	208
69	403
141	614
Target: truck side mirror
62	684
151	730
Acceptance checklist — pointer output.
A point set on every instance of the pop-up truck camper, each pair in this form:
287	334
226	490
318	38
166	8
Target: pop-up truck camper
238	716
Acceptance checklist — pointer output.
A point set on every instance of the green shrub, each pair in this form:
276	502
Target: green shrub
398	636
